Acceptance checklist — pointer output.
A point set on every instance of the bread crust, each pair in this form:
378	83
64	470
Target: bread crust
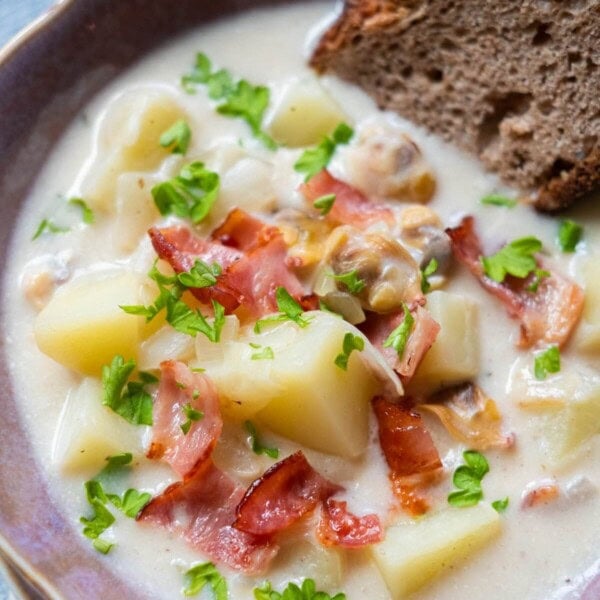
514	82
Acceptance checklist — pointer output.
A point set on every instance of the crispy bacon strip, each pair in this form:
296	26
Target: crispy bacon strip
283	494
548	315
179	387
351	207
201	509
409	452
339	527
378	328
470	417
540	492
242	231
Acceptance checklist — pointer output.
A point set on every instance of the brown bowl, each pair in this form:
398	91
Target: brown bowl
47	74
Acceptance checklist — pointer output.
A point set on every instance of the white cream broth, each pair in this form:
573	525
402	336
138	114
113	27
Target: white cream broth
542	551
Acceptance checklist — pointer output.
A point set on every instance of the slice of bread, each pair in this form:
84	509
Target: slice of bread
515	82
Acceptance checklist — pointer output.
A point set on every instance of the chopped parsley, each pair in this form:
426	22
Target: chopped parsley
265	353
354	284
235	98
97	524
191	415
289	309
569	235
324	203
516	258
427	272
314	160
308	591
351	342
189	195
538	276
177	137
500	505
467	478
129	399
87	214
399	336
546	362
205	574
50	227
499	200
200	275
257	446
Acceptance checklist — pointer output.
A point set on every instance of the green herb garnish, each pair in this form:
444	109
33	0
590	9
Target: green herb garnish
467	478
399	336
289	309
314	160
133	403
569	235
191	414
177	137
200	275
499	200
87	214
265	353
500	505
427	272
516	258
205	574
308	591
351	342
324	203
50	227
538	276
257	446
96	525
189	195
546	362
353	283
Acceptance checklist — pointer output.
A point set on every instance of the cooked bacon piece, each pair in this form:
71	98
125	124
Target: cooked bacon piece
351	207
378	328
201	509
241	231
286	492
470	417
548	315
179	387
338	527
408	490
406	444
540	492
181	248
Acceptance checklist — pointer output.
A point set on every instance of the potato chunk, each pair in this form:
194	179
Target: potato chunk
300	393
414	553
454	356
82	327
88	431
587	335
304	115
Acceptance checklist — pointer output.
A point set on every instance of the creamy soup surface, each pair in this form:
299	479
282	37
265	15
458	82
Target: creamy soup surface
543	545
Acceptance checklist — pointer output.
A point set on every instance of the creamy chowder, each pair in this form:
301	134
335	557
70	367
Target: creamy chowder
216	401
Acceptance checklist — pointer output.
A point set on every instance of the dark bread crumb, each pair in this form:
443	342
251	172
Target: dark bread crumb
516	83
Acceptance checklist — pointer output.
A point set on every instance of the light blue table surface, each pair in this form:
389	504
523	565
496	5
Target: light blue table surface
14	15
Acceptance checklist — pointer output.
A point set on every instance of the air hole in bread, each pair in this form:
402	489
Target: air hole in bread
545	106
406	71
559	166
541	33
435	75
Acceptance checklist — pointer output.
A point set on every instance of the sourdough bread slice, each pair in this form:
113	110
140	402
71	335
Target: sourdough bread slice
515	82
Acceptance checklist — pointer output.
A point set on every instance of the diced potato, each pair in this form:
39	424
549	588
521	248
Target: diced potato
300	393
82	327
304	114
129	141
454	356
88	431
414	553
587	335
166	343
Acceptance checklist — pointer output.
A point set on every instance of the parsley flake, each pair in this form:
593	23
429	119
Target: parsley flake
500	505
308	591
265	353
353	283
200	275
236	98
314	160
499	200
205	574
569	235
96	525
87	214
516	258
324	203
427	272
133	403
289	309
399	336
257	446
351	342
177	137
191	415
50	227
189	195
546	362
538	276
467	478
